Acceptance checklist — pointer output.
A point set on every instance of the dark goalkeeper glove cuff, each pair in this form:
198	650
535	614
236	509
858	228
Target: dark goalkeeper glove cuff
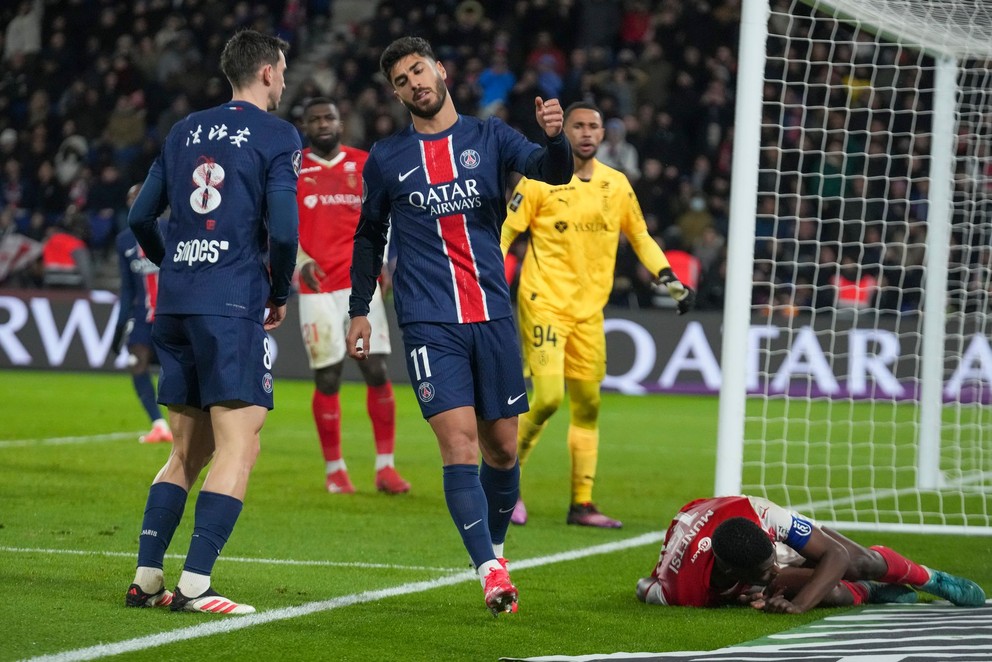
683	295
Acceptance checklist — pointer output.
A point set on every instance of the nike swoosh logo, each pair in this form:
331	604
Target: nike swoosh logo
508	510
510	401
129	252
408	173
469	526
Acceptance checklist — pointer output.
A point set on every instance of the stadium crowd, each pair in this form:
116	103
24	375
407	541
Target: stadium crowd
83	113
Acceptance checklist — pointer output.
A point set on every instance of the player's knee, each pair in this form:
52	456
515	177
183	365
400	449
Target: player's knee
375	371
585	413
328	380
865	564
543	404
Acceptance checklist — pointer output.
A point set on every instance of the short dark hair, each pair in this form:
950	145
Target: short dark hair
399	49
245	52
317	101
741	544
582	105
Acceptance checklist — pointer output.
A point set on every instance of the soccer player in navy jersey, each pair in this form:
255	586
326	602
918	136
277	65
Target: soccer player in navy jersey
226	255
440	183
139	289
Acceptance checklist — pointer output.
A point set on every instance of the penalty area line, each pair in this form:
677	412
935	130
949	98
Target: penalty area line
233	624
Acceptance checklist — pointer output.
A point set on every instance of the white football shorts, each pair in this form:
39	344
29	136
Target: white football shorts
324	323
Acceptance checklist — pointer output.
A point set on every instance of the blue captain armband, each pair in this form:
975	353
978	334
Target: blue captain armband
799	533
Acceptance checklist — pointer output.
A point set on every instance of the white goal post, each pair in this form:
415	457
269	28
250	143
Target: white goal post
857	342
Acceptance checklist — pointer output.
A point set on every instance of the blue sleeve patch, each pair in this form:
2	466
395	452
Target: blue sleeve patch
799	532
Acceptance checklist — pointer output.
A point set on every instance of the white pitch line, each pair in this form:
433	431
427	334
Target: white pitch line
61	441
226	625
236	559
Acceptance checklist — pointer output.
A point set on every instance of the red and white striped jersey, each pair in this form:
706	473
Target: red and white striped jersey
444	197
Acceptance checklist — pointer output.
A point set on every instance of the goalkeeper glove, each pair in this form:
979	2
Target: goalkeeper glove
684	297
120	335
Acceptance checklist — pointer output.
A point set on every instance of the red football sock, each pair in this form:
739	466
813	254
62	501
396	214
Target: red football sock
858	591
327	416
900	569
381	406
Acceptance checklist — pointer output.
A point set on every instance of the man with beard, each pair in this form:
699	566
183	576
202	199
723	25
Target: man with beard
565	282
441	183
329	195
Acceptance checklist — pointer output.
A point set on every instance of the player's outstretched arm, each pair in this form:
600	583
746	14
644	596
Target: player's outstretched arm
359	334
830	562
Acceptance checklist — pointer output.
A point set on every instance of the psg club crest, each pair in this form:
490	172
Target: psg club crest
469	159
425	391
267	382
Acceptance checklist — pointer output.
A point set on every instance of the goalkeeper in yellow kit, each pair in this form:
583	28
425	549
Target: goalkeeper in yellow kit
565	282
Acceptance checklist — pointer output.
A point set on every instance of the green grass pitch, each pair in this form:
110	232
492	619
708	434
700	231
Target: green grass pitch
71	503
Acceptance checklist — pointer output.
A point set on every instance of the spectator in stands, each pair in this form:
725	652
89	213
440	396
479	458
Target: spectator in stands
66	260
855	287
23	36
50	197
495	83
694	221
617	153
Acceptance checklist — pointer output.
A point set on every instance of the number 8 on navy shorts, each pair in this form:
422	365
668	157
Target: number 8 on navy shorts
474	365
208	359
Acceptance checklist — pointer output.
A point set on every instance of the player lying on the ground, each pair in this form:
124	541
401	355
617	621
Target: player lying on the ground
749	550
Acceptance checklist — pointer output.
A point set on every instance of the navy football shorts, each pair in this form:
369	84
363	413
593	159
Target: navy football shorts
466	365
141	333
208	359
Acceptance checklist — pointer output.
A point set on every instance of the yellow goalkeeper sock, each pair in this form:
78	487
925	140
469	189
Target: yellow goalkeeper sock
583	446
528	434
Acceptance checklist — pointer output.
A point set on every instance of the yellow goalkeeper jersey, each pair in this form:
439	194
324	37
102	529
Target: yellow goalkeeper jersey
574	233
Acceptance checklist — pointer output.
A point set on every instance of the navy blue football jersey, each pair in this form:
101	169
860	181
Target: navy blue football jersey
218	166
139	279
444	197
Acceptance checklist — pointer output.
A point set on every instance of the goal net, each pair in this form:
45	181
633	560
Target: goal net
857	361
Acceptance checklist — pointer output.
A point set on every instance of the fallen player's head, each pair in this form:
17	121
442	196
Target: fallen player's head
744	550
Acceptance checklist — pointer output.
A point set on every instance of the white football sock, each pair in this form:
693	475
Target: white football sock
484	570
193	585
149	579
384	460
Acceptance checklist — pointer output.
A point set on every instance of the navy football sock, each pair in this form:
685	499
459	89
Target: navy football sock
216	515
502	488
146	393
163	510
467	504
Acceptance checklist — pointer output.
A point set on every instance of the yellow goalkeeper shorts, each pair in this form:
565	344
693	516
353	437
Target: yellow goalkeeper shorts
555	345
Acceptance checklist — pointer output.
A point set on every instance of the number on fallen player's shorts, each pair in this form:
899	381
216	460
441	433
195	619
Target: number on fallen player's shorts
541	335
422	351
267	356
